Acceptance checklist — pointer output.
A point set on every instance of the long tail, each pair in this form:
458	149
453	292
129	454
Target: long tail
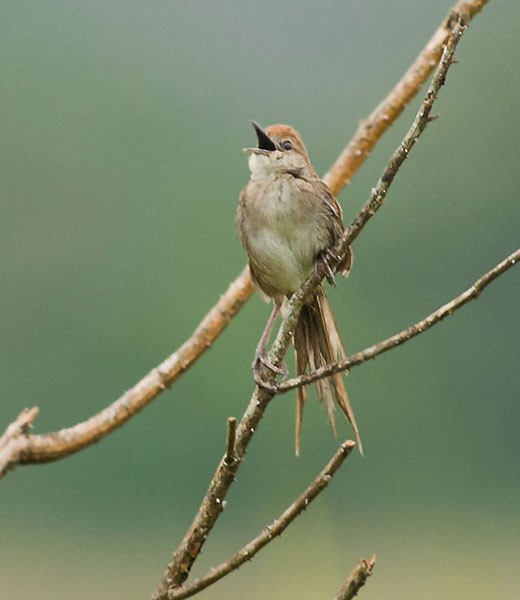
317	343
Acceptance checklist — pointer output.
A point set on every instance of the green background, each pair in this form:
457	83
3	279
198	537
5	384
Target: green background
120	169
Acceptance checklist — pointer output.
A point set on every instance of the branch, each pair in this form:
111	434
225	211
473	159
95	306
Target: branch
383	116
191	545
390	343
212	505
357	579
400	154
20	448
270	532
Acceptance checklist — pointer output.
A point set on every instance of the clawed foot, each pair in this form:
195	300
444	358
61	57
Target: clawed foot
261	365
324	259
260	361
265	385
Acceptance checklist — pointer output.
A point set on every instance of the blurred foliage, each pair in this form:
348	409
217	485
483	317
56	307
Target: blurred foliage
120	169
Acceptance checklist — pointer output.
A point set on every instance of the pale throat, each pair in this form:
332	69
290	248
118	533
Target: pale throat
264	166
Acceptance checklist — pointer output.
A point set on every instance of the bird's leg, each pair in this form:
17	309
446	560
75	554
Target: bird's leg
260	353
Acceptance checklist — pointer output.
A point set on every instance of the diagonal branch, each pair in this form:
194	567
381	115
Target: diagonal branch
191	545
18	447
212	504
270	532
383	116
357	579
392	342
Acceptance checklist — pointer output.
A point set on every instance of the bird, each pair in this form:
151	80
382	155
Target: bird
288	222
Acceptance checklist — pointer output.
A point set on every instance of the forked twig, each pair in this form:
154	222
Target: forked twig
276	528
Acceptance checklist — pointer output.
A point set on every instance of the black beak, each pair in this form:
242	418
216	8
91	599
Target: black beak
264	141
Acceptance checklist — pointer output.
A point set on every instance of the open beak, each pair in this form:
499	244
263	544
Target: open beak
264	141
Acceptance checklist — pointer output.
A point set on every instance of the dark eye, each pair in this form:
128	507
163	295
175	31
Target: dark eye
286	145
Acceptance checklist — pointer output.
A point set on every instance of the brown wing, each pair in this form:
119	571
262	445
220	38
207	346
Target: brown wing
335	209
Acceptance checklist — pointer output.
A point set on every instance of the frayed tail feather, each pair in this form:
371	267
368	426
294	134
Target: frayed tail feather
317	343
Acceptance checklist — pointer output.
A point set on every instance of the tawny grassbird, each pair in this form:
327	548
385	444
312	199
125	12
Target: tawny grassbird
287	221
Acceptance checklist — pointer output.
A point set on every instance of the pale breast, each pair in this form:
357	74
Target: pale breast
284	234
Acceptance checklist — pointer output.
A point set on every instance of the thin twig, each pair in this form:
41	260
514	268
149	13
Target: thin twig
183	558
400	154
357	579
276	528
26	449
372	128
405	335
